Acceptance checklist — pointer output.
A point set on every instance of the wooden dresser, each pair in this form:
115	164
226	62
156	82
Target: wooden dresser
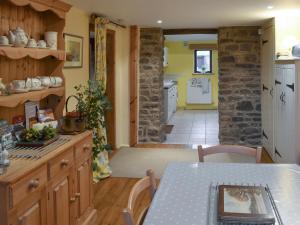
55	190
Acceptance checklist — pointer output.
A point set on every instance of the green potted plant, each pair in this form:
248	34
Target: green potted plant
93	104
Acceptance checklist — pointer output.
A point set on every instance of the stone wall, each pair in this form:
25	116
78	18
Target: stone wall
239	86
151	101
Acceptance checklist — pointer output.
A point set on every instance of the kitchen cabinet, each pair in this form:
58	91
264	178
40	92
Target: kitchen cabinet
56	189
166	57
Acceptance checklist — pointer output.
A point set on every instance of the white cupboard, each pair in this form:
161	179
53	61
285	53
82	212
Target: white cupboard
280	101
170	101
166	57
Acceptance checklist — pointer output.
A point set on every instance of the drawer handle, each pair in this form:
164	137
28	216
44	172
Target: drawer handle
34	184
86	147
77	195
64	162
72	200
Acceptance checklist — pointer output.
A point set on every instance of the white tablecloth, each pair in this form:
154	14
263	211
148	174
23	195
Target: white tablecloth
183	194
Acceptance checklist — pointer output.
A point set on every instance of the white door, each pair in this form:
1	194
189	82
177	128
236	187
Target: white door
267	84
278	113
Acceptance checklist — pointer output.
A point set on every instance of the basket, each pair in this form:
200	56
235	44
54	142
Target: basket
72	122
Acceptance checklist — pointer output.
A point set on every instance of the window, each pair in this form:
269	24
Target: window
203	61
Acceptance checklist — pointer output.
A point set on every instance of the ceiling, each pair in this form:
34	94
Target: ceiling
192	37
188	13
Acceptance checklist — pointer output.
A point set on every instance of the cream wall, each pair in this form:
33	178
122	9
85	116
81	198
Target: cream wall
181	62
77	23
287	28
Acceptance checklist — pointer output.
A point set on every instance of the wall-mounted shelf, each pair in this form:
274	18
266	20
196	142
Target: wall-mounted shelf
14	100
20	53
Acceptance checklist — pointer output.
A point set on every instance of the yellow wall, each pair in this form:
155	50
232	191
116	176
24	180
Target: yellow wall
181	61
287	32
77	23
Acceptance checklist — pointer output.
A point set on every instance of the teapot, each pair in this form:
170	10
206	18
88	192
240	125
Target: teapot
18	37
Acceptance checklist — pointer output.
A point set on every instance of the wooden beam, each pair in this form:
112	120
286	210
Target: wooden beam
203	46
190	31
133	65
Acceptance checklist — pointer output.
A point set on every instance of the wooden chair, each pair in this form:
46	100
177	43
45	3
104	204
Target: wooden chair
229	149
147	182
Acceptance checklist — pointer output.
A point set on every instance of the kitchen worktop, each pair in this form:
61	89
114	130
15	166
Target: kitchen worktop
21	167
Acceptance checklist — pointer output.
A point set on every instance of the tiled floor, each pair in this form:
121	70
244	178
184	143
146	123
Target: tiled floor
194	127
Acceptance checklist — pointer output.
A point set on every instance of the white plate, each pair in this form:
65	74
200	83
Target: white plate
3	45
36	89
21	90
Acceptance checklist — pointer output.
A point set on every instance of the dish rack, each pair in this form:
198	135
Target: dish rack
35	153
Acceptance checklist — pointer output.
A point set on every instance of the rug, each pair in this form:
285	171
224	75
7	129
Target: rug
134	162
168	129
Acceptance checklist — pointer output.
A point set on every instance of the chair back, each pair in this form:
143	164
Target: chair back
256	153
147	182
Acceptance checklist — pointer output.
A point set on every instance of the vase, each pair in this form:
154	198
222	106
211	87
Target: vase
51	39
101	168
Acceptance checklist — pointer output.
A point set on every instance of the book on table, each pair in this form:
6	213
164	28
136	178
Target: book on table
244	205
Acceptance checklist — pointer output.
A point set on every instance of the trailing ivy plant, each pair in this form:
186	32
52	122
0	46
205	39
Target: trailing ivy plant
93	104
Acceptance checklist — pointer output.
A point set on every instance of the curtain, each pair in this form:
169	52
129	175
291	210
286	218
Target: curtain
101	164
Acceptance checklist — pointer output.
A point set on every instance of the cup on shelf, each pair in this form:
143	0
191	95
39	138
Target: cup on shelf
4	40
56	81
45	81
18	84
51	39
31	43
42	44
33	84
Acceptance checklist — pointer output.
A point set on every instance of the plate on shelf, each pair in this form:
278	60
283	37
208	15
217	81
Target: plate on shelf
17	91
37	89
3	45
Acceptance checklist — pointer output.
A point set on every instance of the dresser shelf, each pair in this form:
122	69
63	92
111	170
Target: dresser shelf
20	53
14	100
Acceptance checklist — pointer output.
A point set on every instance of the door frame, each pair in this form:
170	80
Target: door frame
113	94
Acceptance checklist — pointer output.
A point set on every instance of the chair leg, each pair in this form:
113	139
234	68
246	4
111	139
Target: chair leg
200	153
258	154
153	188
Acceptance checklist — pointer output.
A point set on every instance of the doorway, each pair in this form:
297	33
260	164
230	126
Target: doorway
191	75
110	87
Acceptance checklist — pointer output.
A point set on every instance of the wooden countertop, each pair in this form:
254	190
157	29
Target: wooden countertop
20	167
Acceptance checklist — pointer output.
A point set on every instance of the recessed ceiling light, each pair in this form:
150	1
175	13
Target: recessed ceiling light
270	7
159	21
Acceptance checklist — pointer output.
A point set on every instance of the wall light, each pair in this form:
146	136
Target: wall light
270	7
159	21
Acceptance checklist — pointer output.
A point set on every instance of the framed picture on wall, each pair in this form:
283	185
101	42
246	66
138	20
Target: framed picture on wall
74	51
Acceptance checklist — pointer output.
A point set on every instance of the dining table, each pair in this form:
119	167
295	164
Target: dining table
186	195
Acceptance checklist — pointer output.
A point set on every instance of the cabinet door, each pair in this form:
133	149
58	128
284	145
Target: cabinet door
288	115
279	139
84	187
267	72
32	216
59	202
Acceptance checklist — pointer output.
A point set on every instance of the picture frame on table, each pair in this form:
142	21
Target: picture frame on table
74	51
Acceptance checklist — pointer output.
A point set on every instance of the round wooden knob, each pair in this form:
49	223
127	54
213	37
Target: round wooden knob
64	162
86	147
77	195
34	184
72	200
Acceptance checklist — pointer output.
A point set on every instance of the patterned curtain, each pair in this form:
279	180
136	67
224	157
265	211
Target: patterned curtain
101	164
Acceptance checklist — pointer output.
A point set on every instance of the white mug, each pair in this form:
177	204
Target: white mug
56	81
4	40
32	43
18	84
51	39
33	83
45	81
41	44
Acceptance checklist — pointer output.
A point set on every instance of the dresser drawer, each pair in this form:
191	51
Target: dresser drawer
61	163
83	149
27	185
